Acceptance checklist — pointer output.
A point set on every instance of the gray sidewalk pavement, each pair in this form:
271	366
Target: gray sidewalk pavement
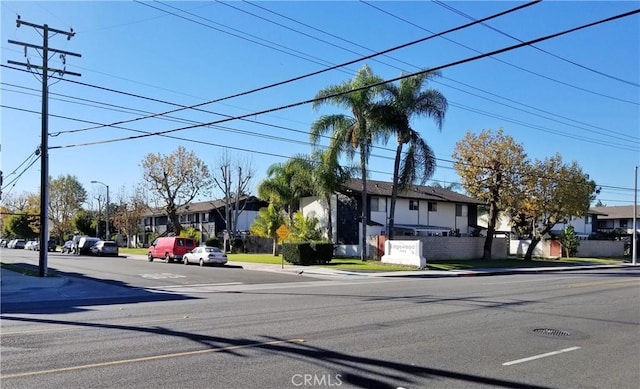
18	287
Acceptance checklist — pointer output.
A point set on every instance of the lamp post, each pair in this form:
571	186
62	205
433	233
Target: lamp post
106	211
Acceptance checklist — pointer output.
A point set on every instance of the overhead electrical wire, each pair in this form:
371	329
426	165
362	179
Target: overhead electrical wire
287	106
456	11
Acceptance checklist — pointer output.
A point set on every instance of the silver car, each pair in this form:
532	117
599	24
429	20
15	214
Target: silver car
205	255
105	247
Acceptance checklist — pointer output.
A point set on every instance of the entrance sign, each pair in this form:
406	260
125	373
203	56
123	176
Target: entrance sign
404	252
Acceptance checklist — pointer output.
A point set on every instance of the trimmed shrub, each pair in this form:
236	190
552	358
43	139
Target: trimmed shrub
307	253
213	242
237	245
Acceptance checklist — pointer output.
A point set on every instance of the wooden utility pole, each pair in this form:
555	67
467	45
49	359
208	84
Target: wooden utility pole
44	152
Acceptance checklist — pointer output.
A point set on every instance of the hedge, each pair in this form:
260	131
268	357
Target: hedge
307	253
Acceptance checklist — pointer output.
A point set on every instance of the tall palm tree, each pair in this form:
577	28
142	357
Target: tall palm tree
328	177
351	133
403	102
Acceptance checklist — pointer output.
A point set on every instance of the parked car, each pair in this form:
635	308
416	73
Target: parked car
29	244
85	244
3	243
67	247
205	255
19	244
52	245
105	247
170	248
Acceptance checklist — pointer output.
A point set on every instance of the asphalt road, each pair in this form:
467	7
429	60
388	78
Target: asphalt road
549	330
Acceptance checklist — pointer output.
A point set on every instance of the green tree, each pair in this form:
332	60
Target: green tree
191	232
304	229
569	241
267	223
553	192
490	165
328	177
19	226
85	222
414	160
286	183
175	180
66	196
355	133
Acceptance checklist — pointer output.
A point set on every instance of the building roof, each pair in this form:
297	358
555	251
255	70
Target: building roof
616	212
197	207
419	192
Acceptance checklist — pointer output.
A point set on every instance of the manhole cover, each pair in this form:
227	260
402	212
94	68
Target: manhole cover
551	332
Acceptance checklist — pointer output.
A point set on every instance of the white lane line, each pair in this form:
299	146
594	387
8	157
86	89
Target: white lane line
566	350
193	285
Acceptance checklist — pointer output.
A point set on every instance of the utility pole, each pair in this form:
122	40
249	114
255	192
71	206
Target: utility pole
44	146
634	233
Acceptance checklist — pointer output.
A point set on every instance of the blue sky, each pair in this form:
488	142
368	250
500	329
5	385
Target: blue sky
216	49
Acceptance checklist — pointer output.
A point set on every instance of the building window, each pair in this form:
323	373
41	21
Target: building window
461	210
624	223
414	205
589	219
433	206
375	204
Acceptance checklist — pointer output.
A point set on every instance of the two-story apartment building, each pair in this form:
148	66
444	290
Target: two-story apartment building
617	218
205	216
420	211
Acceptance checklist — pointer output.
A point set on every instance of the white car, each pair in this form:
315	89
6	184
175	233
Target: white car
205	255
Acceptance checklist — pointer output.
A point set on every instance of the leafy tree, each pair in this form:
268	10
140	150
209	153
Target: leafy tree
19	226
414	163
66	196
267	223
304	229
286	183
234	180
553	192
355	133
175	180
328	177
569	241
86	222
192	233
128	212
452	186
490	166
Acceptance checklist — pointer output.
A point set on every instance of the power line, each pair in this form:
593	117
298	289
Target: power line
372	85
505	62
455	10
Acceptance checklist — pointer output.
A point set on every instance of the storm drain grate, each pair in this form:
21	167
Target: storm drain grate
551	332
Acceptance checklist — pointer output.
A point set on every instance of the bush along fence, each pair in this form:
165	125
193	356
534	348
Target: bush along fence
307	253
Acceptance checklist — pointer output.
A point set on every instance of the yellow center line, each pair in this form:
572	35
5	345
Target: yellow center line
71	327
151	358
597	283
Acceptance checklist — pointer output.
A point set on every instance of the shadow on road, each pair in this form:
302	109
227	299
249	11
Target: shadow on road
359	371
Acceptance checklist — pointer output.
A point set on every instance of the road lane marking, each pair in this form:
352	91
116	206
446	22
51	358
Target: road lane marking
566	350
151	358
598	283
520	281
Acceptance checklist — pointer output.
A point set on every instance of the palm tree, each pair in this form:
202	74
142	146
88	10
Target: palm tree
351	133
267	223
286	183
401	103
328	177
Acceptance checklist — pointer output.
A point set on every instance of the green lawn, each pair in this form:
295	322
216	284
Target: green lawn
452	264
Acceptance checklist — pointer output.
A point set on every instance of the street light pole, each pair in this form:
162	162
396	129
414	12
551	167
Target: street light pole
106	211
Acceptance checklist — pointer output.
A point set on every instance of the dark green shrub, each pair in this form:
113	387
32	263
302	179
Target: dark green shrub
237	244
213	242
307	253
